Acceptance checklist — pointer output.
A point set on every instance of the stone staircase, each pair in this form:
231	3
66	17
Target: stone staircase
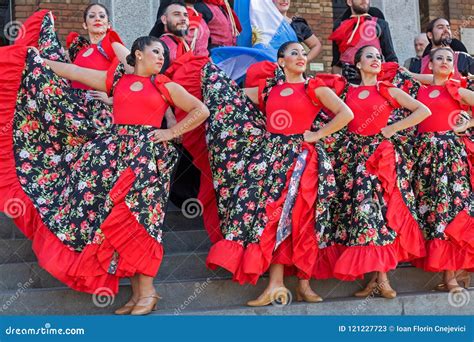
189	288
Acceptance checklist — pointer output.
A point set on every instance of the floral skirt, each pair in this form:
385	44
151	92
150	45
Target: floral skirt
270	188
372	222
443	184
92	200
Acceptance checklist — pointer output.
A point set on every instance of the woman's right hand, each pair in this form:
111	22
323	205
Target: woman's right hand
101	96
311	137
160	135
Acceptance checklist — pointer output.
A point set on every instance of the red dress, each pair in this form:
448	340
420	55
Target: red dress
273	220
93	202
373	223
444	181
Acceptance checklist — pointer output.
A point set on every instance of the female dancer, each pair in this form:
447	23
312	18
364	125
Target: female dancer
93	203
444	174
103	46
372	215
267	217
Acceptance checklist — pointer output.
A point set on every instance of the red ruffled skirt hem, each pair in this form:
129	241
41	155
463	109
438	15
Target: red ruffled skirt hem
454	254
298	252
410	240
409	244
89	270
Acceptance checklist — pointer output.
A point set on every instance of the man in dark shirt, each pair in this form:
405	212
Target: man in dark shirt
360	26
439	34
420	43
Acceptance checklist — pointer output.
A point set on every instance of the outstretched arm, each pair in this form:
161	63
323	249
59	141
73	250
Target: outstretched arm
93	78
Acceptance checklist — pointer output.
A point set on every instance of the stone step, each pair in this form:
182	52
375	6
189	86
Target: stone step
19	250
205	294
174	221
175	267
406	304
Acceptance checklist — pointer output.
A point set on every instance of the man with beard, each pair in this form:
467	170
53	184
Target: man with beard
173	29
440	35
360	29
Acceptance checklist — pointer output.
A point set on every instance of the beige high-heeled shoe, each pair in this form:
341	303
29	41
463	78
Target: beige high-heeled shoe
367	291
463	278
126	309
139	310
384	292
308	297
376	289
279	295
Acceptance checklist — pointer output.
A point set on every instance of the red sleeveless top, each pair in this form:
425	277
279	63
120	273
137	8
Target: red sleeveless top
93	56
372	107
90	57
445	105
292	107
138	100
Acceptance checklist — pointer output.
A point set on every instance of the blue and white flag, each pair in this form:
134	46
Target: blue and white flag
264	31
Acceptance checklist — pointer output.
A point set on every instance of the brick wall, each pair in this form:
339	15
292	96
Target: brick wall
68	13
319	15
461	14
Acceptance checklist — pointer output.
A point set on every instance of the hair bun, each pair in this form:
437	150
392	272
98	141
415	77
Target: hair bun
131	60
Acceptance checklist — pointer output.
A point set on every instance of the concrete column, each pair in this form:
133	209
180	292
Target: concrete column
403	17
132	19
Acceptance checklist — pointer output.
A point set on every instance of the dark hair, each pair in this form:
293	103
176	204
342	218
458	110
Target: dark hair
358	55
284	47
86	11
140	44
432	24
433	52
170	3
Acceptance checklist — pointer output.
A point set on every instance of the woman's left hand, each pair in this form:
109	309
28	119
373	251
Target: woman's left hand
160	135
171	122
311	137
388	132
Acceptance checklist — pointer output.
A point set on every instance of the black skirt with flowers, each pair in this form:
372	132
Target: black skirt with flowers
270	188
92	198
